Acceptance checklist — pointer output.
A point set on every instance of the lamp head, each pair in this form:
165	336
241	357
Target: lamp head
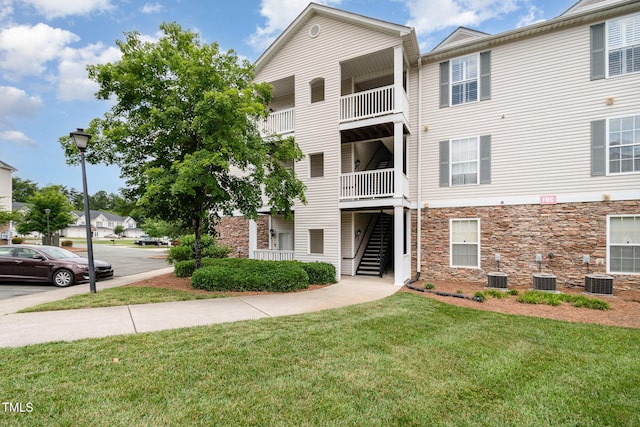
81	139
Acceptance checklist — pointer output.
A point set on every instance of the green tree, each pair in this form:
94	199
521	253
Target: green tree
184	115
35	218
160	228
22	189
119	229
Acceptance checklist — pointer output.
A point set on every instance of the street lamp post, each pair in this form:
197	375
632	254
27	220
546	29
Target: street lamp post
48	211
81	139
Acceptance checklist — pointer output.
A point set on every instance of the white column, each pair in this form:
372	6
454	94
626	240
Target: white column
253	237
398	246
398	69
398	158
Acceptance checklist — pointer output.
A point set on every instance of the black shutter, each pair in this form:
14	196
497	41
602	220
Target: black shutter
444	84
598	52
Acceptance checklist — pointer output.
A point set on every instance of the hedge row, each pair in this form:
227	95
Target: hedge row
241	274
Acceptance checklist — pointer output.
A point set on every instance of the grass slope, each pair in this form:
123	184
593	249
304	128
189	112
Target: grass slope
119	296
404	360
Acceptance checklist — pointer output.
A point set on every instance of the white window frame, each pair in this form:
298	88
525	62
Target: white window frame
311	176
634	244
466	80
624	43
635	146
309	241
452	163
452	221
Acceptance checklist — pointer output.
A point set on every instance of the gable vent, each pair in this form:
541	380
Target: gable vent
314	31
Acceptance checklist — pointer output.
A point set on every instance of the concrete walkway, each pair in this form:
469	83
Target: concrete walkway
19	329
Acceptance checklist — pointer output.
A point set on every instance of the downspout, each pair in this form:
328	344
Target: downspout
419	177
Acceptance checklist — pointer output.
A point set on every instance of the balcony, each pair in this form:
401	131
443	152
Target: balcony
279	122
272	255
370	184
371	103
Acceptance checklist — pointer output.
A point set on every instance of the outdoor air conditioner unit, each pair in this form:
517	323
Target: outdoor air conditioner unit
598	284
544	282
497	279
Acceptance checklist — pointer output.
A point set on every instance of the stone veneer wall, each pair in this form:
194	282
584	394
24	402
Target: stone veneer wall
517	233
233	231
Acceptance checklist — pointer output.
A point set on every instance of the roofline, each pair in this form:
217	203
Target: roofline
316	8
559	22
7	166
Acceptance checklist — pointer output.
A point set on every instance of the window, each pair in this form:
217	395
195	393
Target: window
624	144
317	90
623	45
316	241
624	243
465	161
465	79
615	47
465	242
316	165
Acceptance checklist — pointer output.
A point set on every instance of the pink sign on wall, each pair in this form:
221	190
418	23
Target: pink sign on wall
548	200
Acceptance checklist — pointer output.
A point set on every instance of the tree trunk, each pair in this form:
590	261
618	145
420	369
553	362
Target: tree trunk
197	228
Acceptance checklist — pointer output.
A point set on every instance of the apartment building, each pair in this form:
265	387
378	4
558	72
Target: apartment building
522	147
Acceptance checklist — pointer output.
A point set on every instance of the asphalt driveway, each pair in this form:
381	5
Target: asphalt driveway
125	261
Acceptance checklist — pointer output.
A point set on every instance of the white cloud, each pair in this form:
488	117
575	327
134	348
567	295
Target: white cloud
25	49
149	8
279	14
6	9
532	17
74	83
428	16
59	8
17	138
16	102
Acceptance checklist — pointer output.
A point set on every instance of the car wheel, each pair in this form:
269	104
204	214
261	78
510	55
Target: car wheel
62	278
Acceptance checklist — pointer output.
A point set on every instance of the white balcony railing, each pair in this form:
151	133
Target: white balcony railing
279	122
370	103
367	184
271	255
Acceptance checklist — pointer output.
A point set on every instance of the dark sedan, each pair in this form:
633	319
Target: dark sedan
59	266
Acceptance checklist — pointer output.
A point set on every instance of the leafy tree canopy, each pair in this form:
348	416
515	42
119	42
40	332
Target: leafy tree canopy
183	123
22	189
35	217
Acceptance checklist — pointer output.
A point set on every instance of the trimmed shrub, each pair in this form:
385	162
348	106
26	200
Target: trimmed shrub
187	267
66	243
242	275
186	249
17	240
319	273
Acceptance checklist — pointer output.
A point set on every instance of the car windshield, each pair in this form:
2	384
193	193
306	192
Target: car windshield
58	253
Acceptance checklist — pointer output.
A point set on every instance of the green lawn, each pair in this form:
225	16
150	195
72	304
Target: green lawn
405	360
126	295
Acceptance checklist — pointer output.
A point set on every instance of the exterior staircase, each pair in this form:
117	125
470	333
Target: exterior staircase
378	248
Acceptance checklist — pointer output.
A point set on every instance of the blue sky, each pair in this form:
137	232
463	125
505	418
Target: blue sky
45	45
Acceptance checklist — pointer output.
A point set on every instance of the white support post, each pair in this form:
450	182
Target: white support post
253	237
398	158
398	241
398	77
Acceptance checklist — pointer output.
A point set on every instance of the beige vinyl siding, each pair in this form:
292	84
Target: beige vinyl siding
538	117
5	190
317	127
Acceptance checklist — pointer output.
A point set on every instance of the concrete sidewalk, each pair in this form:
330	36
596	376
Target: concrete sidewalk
18	329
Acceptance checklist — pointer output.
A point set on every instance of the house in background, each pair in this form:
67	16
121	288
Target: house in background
522	147
102	224
6	186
